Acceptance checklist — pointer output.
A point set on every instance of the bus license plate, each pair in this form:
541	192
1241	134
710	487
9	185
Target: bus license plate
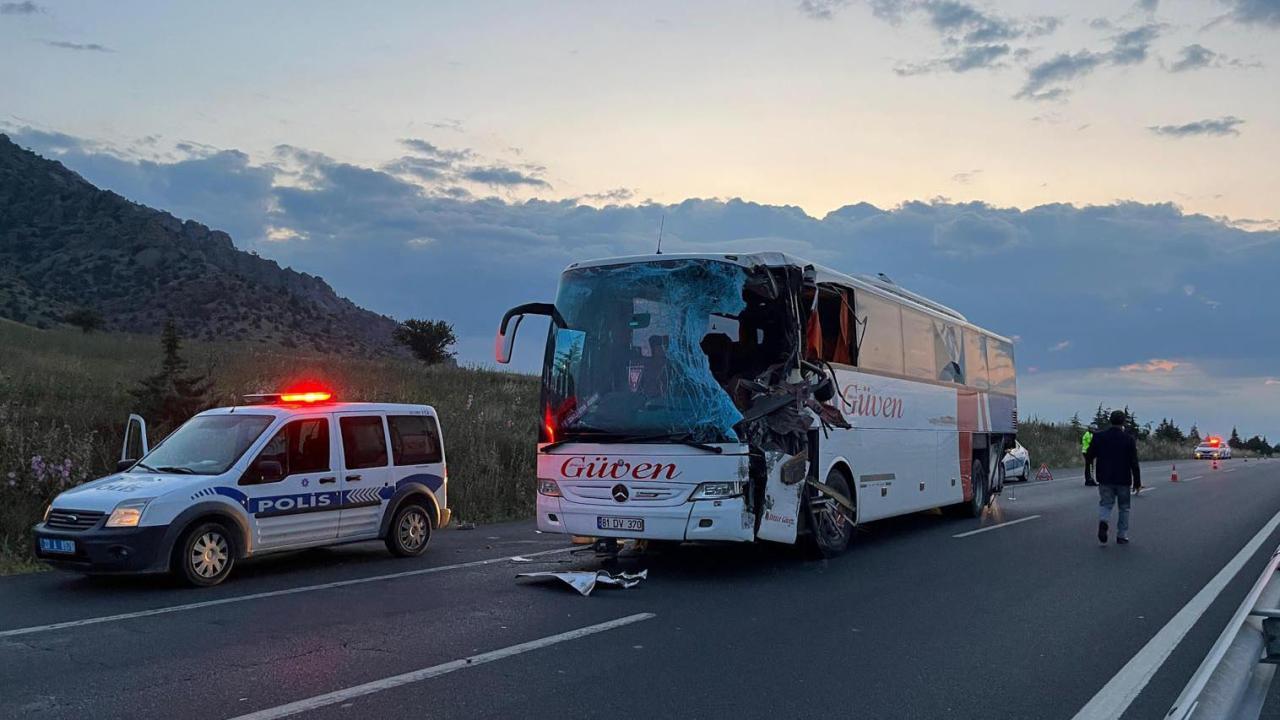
620	523
55	545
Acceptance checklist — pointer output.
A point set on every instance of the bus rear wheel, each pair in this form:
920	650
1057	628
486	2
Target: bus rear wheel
830	528
981	493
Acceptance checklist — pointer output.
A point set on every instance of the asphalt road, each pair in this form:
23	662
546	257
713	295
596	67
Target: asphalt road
921	619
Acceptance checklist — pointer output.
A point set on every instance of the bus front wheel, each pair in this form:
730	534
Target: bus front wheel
830	528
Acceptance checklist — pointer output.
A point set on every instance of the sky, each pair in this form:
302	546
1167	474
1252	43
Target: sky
1098	179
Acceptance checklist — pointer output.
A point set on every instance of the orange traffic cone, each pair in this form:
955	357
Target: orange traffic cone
1215	463
1174	477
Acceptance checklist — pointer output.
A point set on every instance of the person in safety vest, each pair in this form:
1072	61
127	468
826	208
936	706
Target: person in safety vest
1085	441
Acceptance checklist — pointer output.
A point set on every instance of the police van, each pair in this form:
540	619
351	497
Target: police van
286	471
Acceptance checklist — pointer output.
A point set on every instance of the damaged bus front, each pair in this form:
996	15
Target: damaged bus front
677	403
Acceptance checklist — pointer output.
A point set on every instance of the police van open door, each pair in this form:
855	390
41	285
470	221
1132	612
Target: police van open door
135	442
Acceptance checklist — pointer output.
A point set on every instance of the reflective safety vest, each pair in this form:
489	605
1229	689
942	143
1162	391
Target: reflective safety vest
1084	442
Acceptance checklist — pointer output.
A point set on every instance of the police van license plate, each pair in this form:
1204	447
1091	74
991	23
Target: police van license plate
55	545
620	523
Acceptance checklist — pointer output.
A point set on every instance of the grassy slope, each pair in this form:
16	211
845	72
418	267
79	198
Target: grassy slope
64	397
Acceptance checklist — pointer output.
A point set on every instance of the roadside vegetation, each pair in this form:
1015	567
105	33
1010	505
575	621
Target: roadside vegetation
65	395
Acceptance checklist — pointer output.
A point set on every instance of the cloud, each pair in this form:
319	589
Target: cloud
1271	381
1213	127
89	47
20	8
968	58
1149	5
1058	69
1060	346
1196	56
1255	12
961	22
616	195
964	178
1046	80
822	9
1154	365
1032	272
503	176
422	147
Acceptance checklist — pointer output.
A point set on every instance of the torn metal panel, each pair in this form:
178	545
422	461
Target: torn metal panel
780	516
584	581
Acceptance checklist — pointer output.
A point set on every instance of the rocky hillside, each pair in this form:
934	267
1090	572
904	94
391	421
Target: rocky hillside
66	245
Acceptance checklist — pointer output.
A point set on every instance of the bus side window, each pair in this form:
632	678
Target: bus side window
835	312
1000	366
975	358
917	345
948	355
880	331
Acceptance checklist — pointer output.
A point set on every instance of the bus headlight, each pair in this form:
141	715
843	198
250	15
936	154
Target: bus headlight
550	488
716	491
127	513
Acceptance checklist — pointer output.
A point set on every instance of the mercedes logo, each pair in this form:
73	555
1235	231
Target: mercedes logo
620	493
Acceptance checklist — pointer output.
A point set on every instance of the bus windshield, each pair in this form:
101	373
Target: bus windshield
646	352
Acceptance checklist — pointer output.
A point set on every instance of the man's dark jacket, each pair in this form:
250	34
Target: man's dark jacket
1117	456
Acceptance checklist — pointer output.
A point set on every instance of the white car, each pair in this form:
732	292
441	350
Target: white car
292	470
1017	462
1213	449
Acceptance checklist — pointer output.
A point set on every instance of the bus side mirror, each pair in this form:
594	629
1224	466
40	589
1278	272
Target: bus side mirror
506	340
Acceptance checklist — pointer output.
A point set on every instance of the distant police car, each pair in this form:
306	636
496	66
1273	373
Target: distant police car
289	471
1213	448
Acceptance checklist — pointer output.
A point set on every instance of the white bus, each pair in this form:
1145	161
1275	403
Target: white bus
744	397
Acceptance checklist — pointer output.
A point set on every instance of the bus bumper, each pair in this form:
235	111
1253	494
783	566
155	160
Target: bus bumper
711	520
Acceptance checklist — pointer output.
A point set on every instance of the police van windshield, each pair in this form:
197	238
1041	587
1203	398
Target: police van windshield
205	445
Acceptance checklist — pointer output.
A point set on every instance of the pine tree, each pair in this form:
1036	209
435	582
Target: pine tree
1076	427
1234	442
1194	435
1102	418
172	395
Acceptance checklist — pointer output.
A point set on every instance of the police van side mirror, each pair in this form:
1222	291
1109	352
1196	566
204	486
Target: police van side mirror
505	342
268	470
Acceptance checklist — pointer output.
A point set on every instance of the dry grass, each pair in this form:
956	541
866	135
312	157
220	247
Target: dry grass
1058	445
64	397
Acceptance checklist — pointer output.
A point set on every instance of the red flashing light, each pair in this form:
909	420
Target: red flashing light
549	426
311	396
1215	442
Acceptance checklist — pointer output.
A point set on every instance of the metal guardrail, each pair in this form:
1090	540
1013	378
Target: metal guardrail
1235	676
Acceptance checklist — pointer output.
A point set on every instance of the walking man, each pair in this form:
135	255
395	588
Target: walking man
1084	450
1116	454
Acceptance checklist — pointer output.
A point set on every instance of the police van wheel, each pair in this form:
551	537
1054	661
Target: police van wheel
206	555
410	531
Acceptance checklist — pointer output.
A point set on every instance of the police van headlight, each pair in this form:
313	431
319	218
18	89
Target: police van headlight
550	488
127	513
716	491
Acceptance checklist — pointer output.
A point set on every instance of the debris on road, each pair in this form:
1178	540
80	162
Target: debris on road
584	581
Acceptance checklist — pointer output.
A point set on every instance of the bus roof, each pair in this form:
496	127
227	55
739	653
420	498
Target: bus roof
878	285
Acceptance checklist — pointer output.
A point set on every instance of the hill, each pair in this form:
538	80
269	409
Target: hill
66	245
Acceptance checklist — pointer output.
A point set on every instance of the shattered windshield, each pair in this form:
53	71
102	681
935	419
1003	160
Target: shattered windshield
633	357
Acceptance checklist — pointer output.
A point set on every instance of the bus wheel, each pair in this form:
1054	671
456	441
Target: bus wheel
981	495
830	528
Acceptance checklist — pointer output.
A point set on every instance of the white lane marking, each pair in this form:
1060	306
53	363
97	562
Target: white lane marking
997	526
1116	696
259	596
1147	490
319	701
